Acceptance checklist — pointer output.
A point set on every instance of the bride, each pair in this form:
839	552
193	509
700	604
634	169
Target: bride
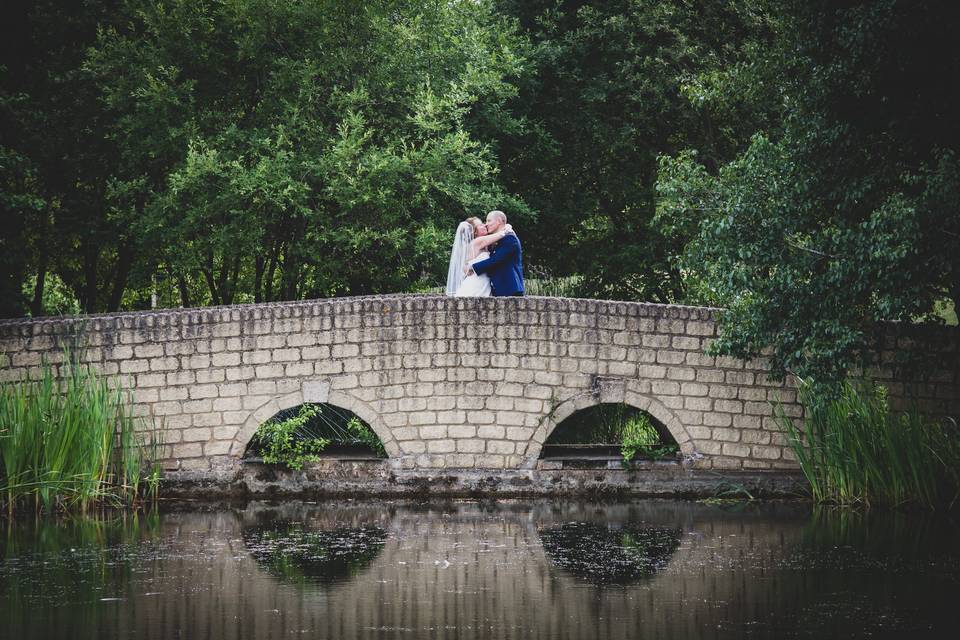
470	245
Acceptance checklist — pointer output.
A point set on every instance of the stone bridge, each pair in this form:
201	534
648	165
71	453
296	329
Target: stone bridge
445	383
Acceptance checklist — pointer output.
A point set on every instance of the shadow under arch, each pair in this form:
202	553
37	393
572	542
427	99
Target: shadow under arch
314	391
627	393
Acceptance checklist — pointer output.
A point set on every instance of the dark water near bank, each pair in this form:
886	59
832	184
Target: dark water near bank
645	569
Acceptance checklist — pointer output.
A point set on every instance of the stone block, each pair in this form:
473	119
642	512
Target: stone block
490	461
228	404
519	434
694	389
417	418
728	406
441	446
167	408
472	445
217	448
406	433
269	371
461	461
462	431
681	373
766	452
512	418
433	432
173	393
491	432
758	408
299	369
652	371
200	391
660	388
722	391
453	417
666	356
735	450
717	419
751	436
235	417
187	450
205	376
480	417
698	404
500	446
134	366
413	446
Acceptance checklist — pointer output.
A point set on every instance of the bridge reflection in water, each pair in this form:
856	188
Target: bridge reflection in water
477	570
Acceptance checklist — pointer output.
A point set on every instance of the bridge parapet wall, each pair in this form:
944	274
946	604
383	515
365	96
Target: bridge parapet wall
445	383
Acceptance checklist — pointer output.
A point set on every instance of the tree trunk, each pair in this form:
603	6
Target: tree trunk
211	282
36	305
231	287
88	297
271	270
182	288
258	279
125	256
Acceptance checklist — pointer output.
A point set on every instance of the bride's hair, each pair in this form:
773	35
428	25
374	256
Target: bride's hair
474	222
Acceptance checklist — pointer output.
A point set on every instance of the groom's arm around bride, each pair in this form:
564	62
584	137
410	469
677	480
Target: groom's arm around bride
505	265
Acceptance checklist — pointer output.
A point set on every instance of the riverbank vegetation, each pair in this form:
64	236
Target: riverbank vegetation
69	441
854	449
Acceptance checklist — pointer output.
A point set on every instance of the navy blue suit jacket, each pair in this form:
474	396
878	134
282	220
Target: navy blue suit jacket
504	267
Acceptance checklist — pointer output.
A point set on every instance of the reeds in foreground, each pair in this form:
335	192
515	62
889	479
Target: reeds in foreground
853	449
69	440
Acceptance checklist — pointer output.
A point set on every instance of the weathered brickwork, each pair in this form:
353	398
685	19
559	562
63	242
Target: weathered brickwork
445	383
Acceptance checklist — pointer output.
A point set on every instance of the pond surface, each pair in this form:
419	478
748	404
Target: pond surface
465	570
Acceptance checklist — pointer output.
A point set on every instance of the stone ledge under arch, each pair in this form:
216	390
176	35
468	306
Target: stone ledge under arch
313	391
608	393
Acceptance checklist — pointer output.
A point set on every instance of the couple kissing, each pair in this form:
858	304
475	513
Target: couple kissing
486	259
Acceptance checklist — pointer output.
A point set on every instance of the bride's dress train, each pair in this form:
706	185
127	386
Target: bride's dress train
475	286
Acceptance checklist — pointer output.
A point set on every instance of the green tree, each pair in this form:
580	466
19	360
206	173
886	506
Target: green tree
606	93
282	150
844	214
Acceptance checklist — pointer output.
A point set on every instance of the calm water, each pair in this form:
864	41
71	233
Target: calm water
645	569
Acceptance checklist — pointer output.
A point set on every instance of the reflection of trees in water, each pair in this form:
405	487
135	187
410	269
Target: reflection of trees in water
291	551
610	555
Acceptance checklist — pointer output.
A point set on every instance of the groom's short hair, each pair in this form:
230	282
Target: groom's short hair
499	215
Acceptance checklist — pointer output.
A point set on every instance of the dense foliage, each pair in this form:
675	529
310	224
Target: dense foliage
793	161
843	213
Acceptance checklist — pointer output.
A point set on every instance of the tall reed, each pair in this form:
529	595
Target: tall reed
70	440
853	449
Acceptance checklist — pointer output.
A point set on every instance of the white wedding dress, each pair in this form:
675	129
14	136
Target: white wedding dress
475	286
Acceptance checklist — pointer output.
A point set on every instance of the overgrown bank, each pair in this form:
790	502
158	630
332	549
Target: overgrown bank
69	440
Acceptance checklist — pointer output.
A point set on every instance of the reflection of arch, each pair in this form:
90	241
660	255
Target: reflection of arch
314	391
621	391
304	551
601	554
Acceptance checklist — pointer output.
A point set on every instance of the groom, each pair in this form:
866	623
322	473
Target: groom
505	264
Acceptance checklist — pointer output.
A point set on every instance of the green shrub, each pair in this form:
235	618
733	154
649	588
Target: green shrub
282	441
854	450
639	434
